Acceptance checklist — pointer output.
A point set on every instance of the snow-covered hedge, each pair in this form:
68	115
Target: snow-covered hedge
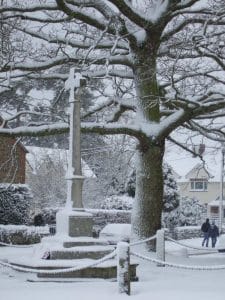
189	213
119	202
101	217
46	216
21	234
15	200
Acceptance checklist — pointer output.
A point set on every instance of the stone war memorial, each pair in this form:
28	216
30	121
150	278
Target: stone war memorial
73	252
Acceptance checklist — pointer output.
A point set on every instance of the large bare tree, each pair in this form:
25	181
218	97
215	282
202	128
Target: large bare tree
165	58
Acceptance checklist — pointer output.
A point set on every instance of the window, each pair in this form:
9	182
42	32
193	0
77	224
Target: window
199	185
214	209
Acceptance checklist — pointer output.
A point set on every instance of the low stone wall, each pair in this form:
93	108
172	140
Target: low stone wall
186	232
103	217
21	234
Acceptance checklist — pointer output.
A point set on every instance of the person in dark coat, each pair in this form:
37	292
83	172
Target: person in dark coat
213	233
205	229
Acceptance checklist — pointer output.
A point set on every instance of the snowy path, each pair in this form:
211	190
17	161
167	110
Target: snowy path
155	283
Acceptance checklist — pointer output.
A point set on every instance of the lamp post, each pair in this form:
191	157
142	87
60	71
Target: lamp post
221	188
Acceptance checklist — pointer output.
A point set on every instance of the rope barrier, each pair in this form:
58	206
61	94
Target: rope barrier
16	246
161	262
59	271
143	241
191	247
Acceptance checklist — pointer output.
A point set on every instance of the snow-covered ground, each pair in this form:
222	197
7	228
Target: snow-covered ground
155	283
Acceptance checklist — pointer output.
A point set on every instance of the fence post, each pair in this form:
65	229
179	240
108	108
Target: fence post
123	267
160	246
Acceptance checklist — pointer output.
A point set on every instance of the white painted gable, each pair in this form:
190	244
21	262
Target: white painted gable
199	171
187	167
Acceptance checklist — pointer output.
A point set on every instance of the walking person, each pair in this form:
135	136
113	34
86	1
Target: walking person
213	233
205	229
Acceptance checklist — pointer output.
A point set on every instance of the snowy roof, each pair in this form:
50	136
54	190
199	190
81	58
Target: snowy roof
39	153
185	165
19	143
216	202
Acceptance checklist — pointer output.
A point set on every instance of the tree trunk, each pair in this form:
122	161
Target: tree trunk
148	204
146	217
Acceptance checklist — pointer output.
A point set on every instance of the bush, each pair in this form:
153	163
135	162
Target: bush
22	235
15	203
118	202
45	216
38	220
190	212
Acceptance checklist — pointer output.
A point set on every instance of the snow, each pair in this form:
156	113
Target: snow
150	10
157	9
40	97
122	266
116	232
140	36
216	203
156	283
62	219
73	81
28	229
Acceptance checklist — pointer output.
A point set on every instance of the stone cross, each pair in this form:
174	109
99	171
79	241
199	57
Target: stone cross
74	176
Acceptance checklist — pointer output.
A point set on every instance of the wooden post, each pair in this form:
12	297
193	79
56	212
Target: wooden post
160	246
123	267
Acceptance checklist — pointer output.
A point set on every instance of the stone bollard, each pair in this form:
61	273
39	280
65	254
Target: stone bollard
123	267
160	246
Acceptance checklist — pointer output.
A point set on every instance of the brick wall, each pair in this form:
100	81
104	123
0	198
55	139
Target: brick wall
12	161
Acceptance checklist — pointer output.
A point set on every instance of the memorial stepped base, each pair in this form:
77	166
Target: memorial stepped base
74	252
105	270
92	252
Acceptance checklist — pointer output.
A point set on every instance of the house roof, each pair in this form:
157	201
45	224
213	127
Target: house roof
216	202
19	143
36	154
186	166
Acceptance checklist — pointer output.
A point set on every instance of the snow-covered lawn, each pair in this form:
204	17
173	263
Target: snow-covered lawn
155	283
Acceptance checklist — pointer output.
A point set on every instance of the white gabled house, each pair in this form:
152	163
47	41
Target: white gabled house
199	179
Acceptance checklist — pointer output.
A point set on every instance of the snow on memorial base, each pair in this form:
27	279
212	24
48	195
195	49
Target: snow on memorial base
74	247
